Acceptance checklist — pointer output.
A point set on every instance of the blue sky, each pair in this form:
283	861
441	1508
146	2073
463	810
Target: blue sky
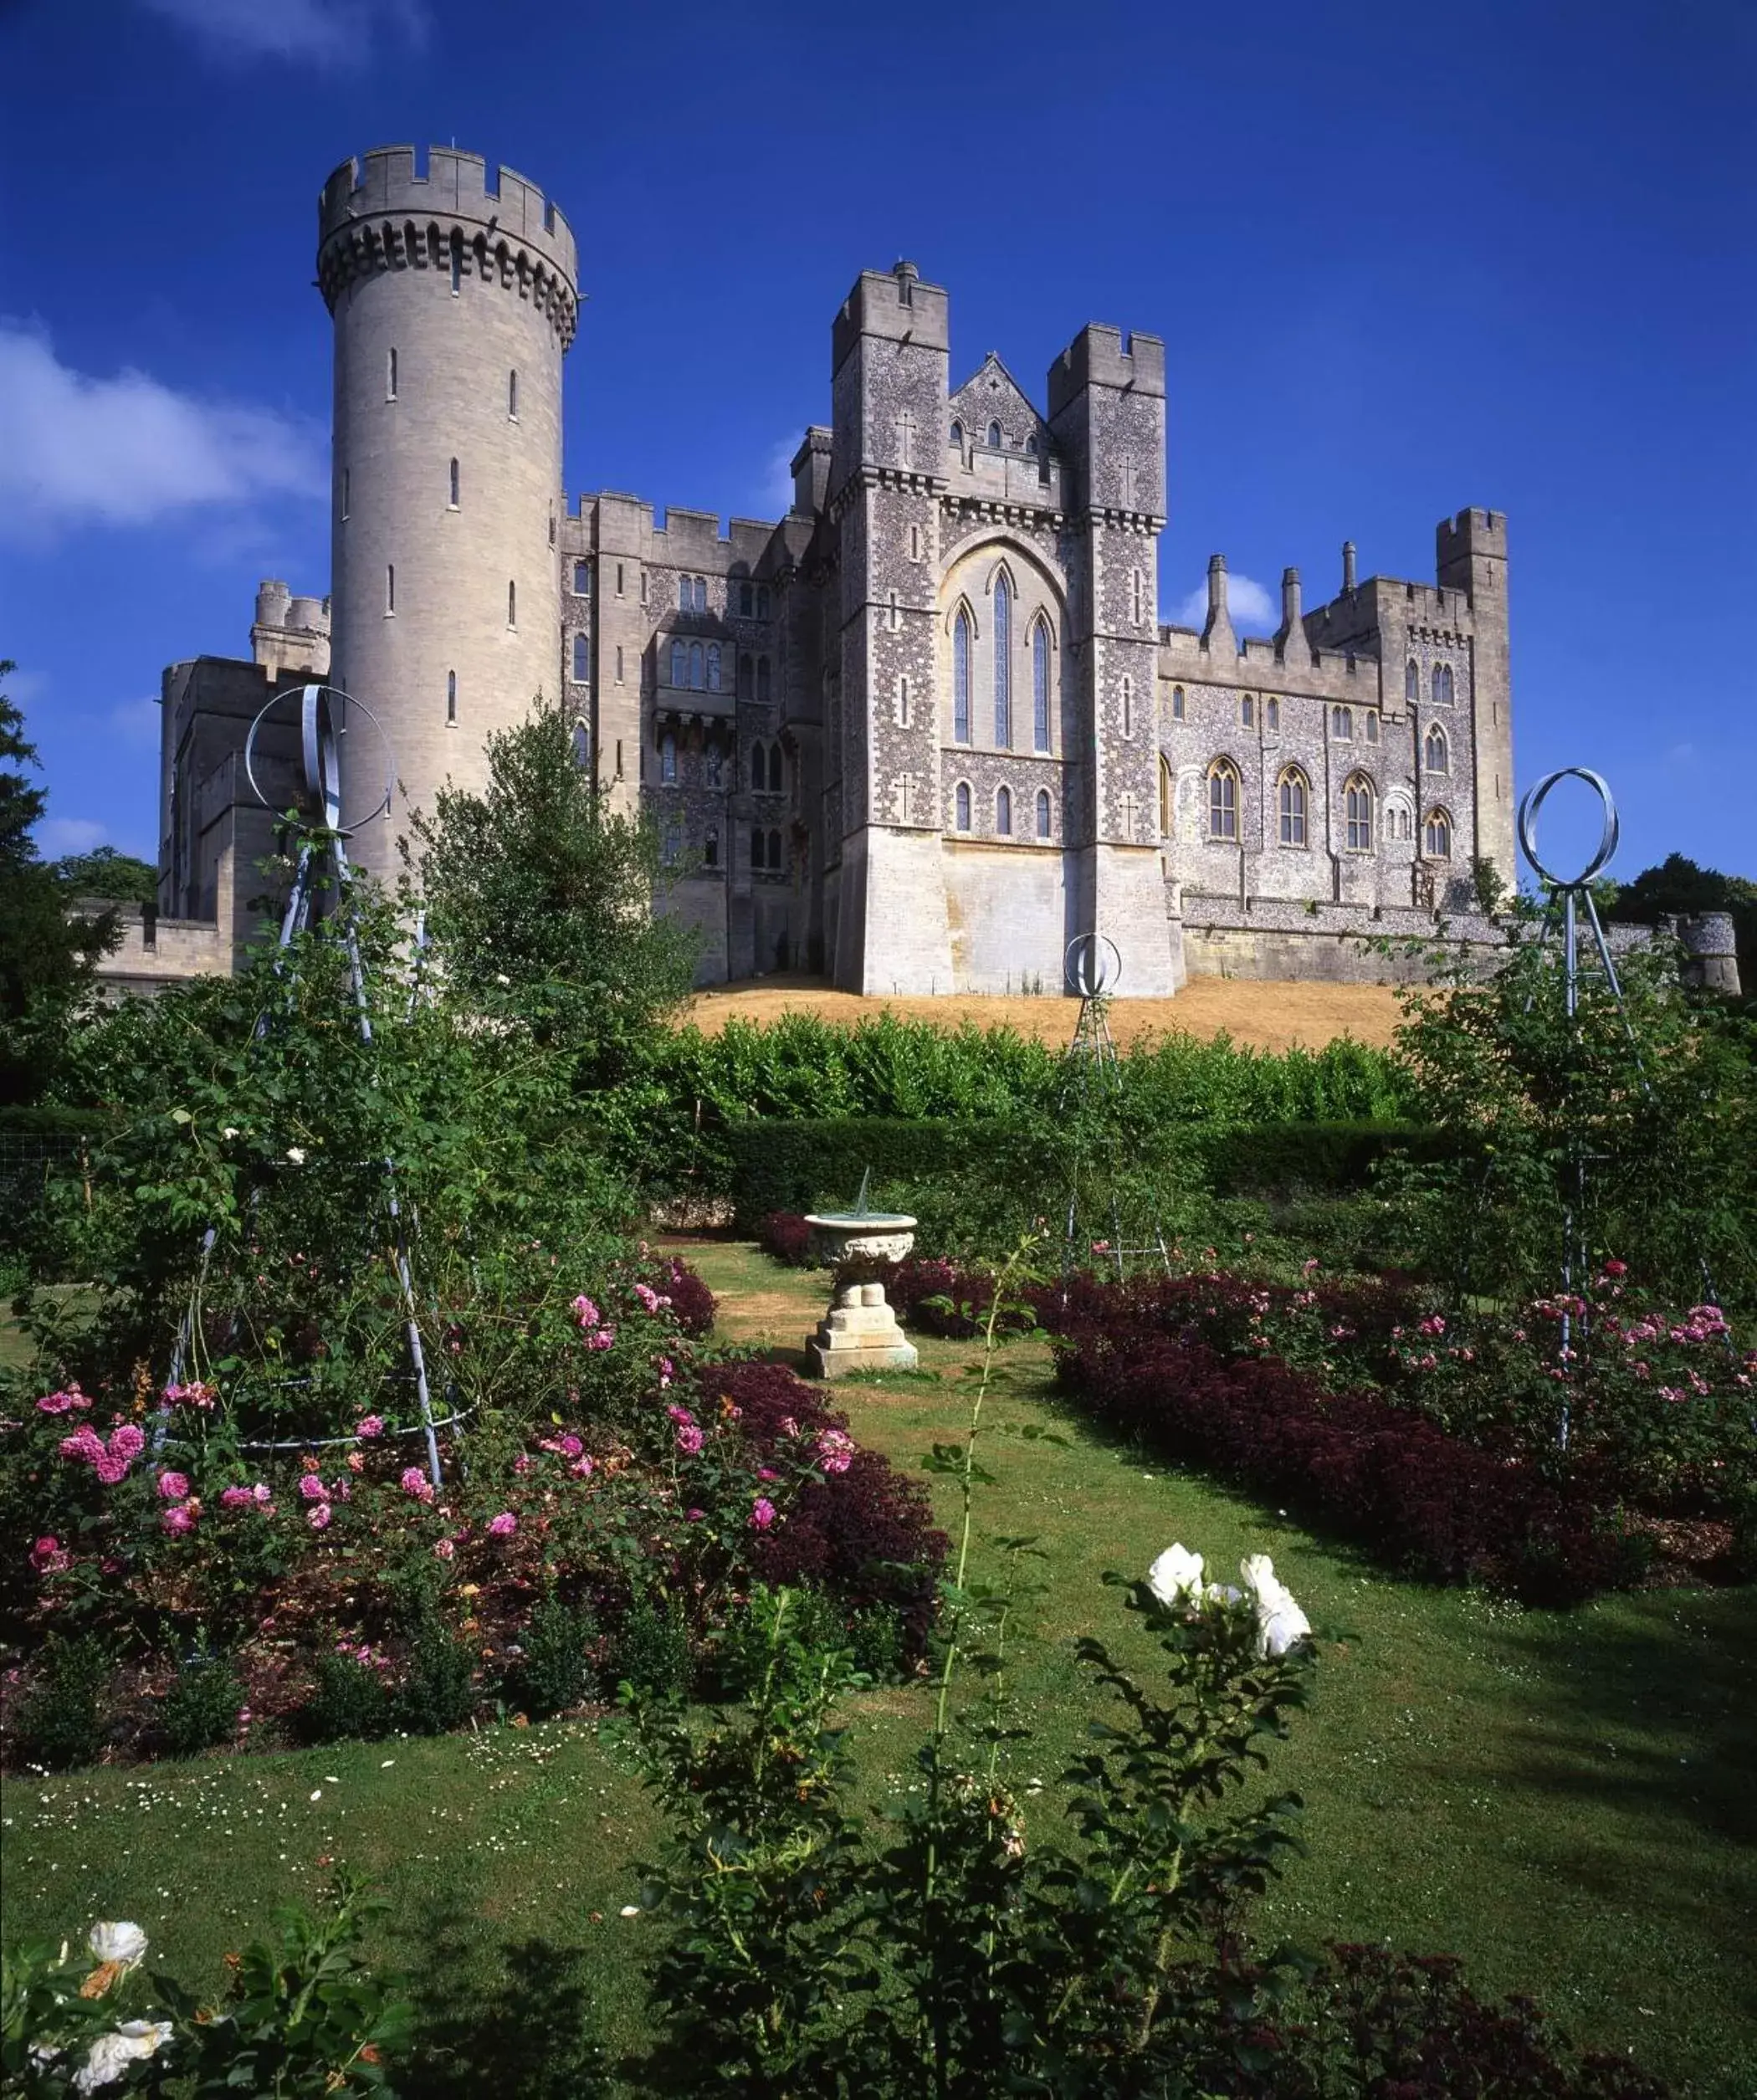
1400	268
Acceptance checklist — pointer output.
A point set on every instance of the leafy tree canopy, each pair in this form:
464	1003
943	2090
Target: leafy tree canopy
117	878
1678	885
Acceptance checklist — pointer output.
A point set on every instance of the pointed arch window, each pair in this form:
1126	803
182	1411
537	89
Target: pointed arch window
1436	835
1436	758
960	804
1044	813
457	247
759	850
957	434
1040	686
710	849
1177	703
1443	683
1357	800
1167	797
994	435
777	770
698	669
1003	813
581	744
1003	663
777	862
714	764
1342	725
1223	800
762	677
759	767
582	659
1411	680
667	760
1293	797
960	682
679	664
714	662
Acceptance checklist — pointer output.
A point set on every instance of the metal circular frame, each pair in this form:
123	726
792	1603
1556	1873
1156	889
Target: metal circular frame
1090	971
1534	802
320	751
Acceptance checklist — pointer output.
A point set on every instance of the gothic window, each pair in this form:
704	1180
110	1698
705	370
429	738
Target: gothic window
451	696
701	594
1411	680
512	395
679	664
671	845
1003	664
1357	800
1167	798
582	659
1293	797
1128	706
713	765
960	682
582	579
1435	757
1442	683
667	760
759	851
581	743
710	850
697	679
682	594
1223	800
994	435
1177	703
1247	710
775	863
746	677
746	600
1372	727
1003	813
1030	442
762	601
1040	686
456	262
1436	835
759	767
957	434
1272	713
762	677
453	498
961	804
714	667
777	770
1342	725
1043	812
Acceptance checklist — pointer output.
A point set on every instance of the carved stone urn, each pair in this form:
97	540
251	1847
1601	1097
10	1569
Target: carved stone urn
859	1332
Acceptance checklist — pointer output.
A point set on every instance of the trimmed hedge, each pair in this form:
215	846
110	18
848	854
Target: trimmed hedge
794	1166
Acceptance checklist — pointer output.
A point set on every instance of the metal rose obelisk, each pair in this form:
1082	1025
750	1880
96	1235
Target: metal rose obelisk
859	1332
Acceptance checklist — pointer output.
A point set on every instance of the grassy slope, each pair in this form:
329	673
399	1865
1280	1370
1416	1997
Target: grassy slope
1563	1800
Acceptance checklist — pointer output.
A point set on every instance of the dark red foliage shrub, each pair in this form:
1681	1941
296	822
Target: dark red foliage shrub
786	1235
866	1534
691	1303
913	1286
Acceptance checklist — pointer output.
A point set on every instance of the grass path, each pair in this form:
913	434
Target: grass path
1565	1799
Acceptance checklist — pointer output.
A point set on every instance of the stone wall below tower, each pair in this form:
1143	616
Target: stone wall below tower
1010	912
891	930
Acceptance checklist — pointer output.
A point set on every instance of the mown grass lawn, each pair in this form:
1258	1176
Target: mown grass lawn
1565	1799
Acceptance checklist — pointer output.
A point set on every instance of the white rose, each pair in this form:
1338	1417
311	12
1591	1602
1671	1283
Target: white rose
1175	1577
296	1153
117	1941
1280	1622
230	1130
111	2054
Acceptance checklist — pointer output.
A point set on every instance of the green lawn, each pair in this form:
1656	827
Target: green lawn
1565	1799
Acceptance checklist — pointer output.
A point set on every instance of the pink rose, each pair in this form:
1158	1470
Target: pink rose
679	1414
602	1340
369	1426
521	1464
128	1440
318	1516
259	1492
648	1296
762	1514
581	1468
694	1516
111	1470
311	1487
668	1370
174	1487
690	1440
416	1482
835	1451
444	1549
503	1526
84	1443
59	1403
767	1472
237	1497
585	1311
179	1520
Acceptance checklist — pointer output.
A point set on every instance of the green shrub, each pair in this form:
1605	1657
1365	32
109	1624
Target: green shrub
800	1166
348	1702
557	1664
1269	1158
61	1722
876	1635
201	1707
439	1693
652	1648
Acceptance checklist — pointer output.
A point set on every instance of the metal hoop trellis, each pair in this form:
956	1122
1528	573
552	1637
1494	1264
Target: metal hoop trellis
321	765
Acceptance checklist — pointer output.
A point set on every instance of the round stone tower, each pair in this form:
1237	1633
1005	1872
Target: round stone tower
454	297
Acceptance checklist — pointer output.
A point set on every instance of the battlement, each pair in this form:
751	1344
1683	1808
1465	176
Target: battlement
1462	543
693	539
894	304
383	210
1102	356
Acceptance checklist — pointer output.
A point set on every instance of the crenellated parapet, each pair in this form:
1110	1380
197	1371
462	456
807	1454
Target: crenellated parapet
378	214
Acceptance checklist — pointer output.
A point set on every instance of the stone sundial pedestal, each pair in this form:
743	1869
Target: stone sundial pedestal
859	1332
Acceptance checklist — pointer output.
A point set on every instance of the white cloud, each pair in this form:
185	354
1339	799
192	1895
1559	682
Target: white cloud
76	450
322	32
1252	610
135	722
58	835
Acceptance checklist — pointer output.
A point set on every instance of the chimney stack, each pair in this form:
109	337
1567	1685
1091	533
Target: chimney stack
1348	568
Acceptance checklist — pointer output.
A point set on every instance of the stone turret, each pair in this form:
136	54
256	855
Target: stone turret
454	294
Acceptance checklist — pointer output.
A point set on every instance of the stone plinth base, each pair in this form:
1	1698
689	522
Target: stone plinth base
859	1333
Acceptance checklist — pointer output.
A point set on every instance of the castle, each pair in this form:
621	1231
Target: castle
918	734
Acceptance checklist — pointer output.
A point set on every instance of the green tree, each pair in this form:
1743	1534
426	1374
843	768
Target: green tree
541	901
46	958
1678	885
117	878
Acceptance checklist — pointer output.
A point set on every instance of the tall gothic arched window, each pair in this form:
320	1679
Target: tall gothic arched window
1435	757
1003	813
960	682
1411	680
1003	664
1436	835
1044	814
1358	812
1293	797
1040	686
1223	800
667	759
679	664
697	677
962	805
